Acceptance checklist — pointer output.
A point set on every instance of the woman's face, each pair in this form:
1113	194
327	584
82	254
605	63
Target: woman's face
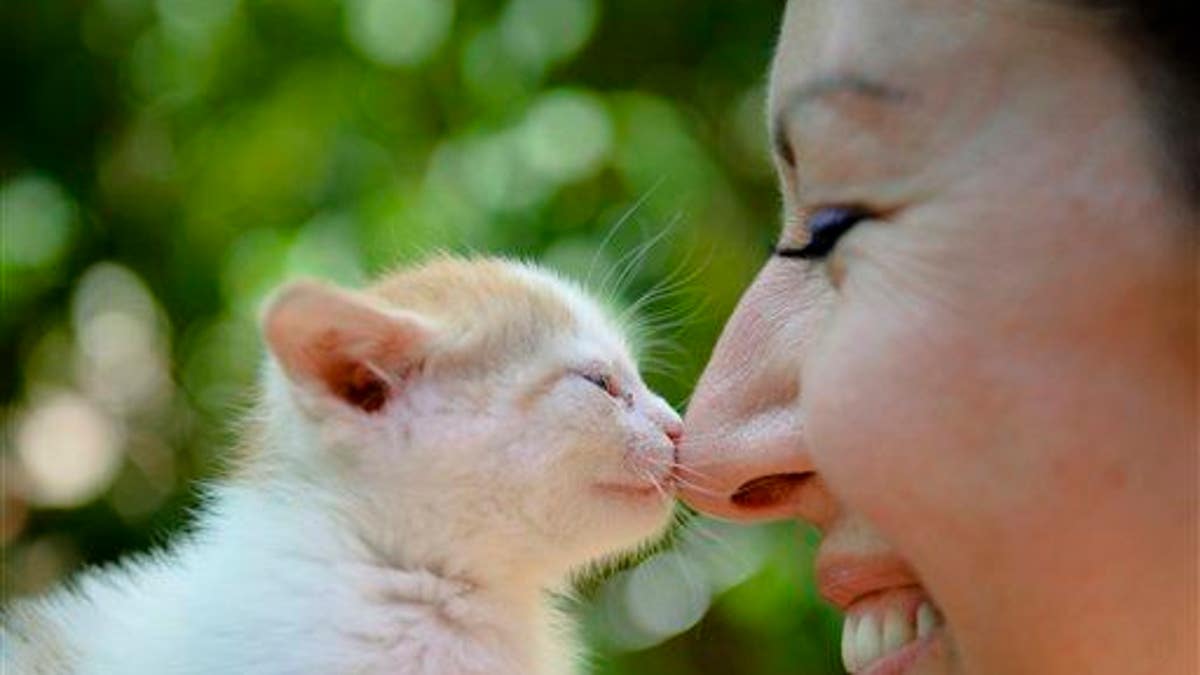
985	395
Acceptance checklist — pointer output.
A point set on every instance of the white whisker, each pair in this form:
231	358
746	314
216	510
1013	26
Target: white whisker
612	231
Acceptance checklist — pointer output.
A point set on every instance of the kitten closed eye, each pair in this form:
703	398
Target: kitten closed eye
604	382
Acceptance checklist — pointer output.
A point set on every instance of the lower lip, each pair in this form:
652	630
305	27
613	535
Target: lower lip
903	660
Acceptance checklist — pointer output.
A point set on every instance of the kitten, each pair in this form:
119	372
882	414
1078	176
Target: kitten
431	455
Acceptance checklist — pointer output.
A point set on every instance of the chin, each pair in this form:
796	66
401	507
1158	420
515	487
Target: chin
618	524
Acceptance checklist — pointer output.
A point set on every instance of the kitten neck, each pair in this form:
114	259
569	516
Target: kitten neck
316	524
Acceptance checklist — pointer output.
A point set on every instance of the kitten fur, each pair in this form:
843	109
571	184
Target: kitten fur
430	456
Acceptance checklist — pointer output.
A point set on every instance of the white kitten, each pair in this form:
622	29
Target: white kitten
431	455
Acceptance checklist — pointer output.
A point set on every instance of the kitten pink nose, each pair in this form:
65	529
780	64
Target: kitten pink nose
664	416
674	431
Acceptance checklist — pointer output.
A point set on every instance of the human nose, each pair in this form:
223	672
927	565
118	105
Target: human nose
743	455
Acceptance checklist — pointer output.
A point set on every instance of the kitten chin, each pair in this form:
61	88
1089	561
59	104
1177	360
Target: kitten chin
430	455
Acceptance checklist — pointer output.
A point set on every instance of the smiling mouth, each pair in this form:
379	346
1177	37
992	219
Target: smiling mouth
886	632
891	621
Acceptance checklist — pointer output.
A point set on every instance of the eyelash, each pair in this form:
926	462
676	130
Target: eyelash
826	226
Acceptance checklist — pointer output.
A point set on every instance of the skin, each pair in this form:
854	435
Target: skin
988	391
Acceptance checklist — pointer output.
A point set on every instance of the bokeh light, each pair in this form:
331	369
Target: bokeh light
69	449
670	591
662	596
123	355
37	219
567	135
541	32
398	32
194	20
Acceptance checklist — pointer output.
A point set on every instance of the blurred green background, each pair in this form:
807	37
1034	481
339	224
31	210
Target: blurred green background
164	163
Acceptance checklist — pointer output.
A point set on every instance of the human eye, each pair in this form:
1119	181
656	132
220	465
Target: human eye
825	225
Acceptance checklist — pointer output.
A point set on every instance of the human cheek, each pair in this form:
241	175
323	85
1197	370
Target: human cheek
888	410
897	407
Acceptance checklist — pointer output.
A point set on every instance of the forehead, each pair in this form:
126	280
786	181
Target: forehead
510	305
909	39
856	79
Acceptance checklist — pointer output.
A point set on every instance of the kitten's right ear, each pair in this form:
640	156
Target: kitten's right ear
341	343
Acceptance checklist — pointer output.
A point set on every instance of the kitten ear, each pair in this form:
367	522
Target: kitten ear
339	341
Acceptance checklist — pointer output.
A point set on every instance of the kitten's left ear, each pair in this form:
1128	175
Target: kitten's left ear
343	344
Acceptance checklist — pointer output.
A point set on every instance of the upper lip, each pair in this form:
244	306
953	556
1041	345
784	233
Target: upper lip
845	578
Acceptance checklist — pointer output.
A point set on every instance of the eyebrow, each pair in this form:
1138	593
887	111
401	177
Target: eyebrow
824	87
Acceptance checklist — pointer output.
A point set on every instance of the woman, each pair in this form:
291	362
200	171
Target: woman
972	363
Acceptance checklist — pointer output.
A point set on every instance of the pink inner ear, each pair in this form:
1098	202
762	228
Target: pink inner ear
342	342
357	385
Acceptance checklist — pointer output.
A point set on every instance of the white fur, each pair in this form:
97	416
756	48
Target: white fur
421	539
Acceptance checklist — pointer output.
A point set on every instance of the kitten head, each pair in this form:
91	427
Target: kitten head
468	413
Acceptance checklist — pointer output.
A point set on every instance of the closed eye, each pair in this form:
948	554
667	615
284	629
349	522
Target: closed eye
826	226
605	382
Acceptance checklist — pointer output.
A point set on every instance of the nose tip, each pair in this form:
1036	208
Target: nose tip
665	418
674	431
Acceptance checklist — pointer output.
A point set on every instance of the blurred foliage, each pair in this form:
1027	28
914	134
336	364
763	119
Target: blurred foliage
166	162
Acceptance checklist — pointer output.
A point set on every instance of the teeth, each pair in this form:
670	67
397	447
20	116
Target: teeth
849	653
897	631
869	636
868	642
927	619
